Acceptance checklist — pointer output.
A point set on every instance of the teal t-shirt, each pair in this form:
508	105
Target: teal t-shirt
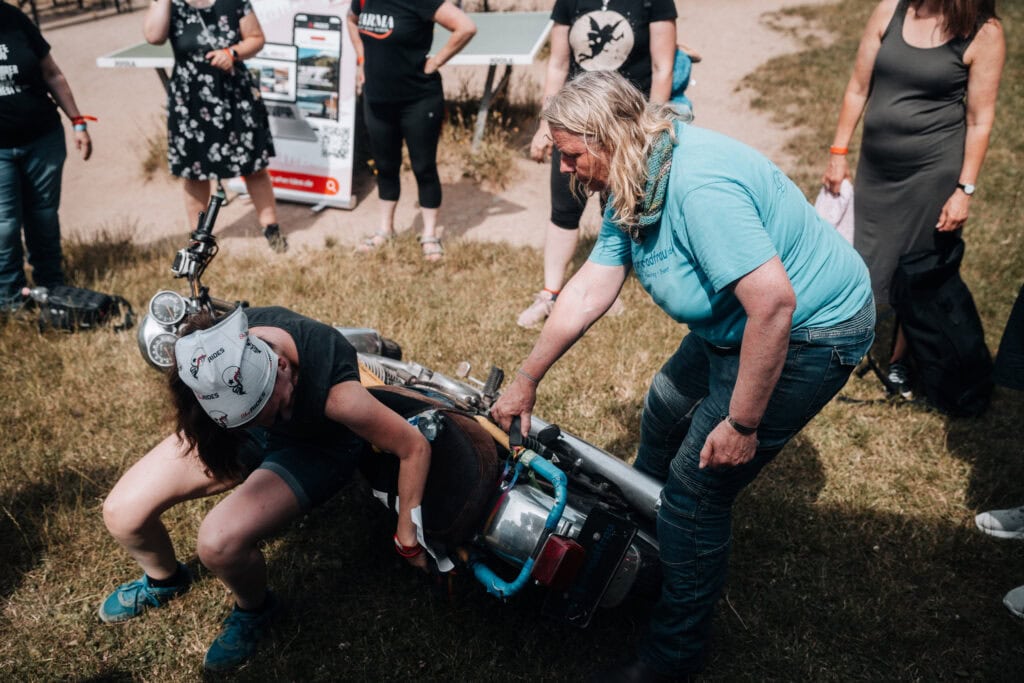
729	210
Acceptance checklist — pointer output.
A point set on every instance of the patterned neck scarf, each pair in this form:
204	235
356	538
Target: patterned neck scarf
659	163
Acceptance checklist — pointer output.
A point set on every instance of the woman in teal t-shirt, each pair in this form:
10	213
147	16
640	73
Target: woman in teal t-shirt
778	305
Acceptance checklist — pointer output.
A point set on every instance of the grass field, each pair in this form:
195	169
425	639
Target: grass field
855	555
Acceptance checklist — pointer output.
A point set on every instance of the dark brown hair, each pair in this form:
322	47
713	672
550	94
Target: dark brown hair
964	18
217	448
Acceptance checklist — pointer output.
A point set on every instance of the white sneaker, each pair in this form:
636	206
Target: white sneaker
1014	602
538	311
1003	524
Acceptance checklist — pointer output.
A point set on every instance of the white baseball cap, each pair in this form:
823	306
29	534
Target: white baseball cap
231	372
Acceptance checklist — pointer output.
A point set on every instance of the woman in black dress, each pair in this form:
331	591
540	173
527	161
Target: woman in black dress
925	78
217	126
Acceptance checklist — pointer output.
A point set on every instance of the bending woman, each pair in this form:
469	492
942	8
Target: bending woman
926	79
778	306
275	412
403	100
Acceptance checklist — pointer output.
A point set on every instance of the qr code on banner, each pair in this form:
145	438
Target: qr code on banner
335	141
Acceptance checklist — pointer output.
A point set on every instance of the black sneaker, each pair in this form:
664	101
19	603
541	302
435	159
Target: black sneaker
900	380
275	239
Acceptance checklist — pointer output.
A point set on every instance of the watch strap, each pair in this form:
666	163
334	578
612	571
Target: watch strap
967	188
741	428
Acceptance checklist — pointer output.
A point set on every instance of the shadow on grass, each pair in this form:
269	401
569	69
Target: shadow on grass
24	518
813	591
992	446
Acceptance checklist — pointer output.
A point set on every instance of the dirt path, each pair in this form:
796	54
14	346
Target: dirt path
109	193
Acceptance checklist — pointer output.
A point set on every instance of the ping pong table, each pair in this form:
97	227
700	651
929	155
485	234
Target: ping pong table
502	38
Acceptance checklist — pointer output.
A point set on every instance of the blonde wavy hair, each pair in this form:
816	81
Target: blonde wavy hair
618	126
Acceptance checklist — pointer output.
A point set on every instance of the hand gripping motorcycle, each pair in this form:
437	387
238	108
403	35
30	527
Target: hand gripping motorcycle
550	510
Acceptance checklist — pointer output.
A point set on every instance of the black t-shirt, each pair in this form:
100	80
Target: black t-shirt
612	35
397	35
26	110
326	358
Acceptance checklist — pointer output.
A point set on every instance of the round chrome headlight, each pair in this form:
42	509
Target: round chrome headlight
156	342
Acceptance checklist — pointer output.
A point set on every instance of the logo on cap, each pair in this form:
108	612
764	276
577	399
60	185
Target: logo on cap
233	378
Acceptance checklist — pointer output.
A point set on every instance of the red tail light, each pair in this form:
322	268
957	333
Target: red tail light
558	563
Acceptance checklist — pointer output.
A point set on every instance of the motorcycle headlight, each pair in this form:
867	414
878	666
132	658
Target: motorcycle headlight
156	342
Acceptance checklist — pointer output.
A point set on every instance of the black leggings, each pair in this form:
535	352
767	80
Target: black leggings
418	122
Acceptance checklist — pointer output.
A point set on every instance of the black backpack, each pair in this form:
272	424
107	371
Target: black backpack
943	329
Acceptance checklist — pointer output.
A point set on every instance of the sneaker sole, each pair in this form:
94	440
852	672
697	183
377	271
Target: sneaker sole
999	533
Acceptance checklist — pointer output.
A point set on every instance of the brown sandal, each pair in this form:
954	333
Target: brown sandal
433	250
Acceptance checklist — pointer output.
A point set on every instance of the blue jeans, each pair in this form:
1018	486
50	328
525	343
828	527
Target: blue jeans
688	398
30	196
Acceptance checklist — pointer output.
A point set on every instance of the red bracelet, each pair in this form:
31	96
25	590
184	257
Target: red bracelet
230	56
842	151
359	60
407	551
83	119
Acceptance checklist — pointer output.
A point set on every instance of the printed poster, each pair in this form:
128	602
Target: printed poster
306	73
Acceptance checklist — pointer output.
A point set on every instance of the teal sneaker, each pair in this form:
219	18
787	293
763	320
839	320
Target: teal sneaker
240	637
131	599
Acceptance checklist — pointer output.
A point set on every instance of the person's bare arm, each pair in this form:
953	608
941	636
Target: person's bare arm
157	24
357	44
663	57
462	31
985	58
252	42
62	95
856	95
583	300
554	79
350	404
767	296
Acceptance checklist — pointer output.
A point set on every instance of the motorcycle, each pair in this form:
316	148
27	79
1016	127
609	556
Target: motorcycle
549	510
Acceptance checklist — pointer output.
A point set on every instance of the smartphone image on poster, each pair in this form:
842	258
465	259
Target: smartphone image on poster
318	41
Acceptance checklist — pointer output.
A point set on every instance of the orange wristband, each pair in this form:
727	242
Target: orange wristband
359	60
842	151
230	56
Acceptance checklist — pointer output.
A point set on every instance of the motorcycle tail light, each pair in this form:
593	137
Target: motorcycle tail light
558	562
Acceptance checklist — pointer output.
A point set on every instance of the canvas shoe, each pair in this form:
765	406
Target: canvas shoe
131	599
1014	602
278	242
899	379
537	312
1002	523
240	637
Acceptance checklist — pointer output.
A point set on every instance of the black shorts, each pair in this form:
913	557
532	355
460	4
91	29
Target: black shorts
313	472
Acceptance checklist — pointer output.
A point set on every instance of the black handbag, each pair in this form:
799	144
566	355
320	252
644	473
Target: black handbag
76	308
943	329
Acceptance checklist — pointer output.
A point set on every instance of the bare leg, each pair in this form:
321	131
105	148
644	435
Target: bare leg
899	347
387	217
261	189
559	247
164	477
230	534
197	197
429	222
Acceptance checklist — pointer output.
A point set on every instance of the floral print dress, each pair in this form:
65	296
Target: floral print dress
217	126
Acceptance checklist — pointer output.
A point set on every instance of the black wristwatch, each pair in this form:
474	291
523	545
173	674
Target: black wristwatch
741	428
967	188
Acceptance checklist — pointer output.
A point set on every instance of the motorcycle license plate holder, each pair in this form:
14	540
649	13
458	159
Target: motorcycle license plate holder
605	538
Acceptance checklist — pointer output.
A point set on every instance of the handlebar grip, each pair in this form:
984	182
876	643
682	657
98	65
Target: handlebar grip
210	216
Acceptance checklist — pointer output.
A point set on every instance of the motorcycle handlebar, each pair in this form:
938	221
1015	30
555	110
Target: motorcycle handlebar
208	218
